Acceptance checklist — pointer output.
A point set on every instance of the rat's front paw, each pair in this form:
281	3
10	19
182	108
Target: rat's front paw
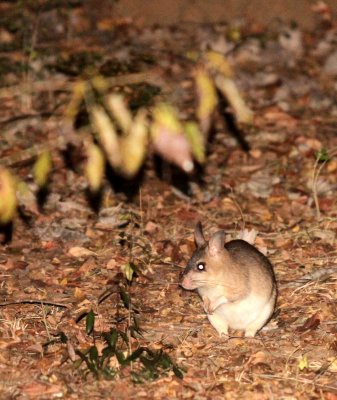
207	306
211	306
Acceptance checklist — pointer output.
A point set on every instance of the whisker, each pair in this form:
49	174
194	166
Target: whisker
209	283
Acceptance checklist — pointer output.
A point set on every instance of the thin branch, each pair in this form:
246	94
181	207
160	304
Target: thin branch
320	274
33	301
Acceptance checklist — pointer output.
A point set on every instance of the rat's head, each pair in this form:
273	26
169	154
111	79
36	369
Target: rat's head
206	264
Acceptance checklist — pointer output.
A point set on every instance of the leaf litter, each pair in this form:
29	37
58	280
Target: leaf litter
74	283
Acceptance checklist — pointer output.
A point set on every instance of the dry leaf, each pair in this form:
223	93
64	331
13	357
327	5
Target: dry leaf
261	184
94	168
80	252
112	264
196	140
175	149
217	63
116	105
42	168
78	92
107	135
133	145
247	235
207	99
168	138
332	166
330	395
222	73
291	41
228	88
333	365
78	293
151	227
26	197
327	235
303	363
8	201
100	83
71	351
311	323
35	348
33	390
257	358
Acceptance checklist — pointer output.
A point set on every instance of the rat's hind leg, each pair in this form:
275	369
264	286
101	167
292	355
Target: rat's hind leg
259	322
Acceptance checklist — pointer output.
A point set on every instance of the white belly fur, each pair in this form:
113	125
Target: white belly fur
240	314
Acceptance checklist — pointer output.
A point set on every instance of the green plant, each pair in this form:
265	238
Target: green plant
117	356
147	364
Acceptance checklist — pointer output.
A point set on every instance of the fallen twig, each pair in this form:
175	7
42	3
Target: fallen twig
320	274
33	301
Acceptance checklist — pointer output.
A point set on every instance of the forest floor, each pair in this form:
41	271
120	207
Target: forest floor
64	258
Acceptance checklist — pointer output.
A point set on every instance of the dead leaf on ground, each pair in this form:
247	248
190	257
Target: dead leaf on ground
80	252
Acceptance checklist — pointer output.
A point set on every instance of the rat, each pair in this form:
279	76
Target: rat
235	281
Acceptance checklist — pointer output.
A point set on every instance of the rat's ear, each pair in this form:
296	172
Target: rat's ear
199	236
216	243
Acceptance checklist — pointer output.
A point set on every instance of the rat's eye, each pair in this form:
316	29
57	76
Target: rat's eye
201	266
